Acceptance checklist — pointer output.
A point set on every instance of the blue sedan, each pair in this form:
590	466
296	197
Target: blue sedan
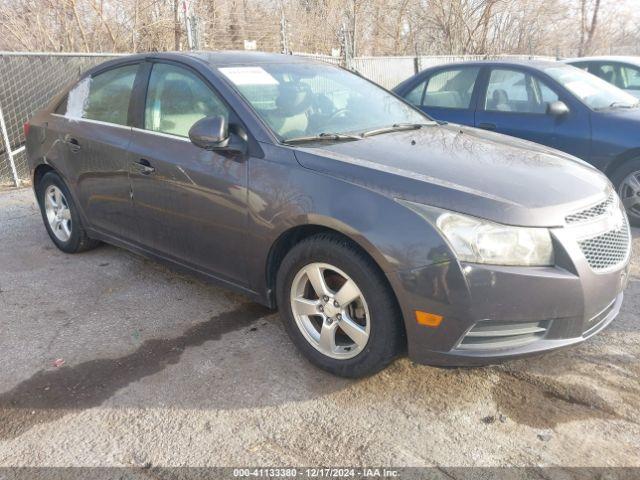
545	102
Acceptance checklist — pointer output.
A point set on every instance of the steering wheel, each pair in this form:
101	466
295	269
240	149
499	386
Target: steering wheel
338	113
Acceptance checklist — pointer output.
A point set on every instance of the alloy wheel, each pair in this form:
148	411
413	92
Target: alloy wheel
58	213
330	311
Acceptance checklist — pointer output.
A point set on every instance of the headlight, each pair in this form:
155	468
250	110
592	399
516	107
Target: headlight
481	241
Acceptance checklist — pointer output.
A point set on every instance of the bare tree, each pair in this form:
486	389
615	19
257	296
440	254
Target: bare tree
588	24
364	27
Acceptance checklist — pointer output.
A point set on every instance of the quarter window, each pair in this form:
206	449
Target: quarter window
176	99
451	88
109	95
415	95
519	92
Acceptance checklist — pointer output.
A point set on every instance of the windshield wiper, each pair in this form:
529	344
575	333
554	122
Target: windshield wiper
394	128
322	137
622	105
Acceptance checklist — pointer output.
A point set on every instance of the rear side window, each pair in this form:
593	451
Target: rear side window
176	99
518	92
109	95
451	88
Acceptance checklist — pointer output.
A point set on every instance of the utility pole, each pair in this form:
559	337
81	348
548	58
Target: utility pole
188	24
284	41
176	25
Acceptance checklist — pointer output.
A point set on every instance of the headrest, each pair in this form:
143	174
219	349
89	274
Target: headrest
293	98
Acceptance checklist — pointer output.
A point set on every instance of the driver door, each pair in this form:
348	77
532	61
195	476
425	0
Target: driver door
190	203
515	102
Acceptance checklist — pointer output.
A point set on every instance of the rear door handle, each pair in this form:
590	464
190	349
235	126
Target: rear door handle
488	126
73	143
143	166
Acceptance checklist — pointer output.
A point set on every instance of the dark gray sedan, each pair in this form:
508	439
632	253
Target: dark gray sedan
373	228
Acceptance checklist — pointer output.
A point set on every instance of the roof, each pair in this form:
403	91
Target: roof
615	58
211	58
535	63
242	57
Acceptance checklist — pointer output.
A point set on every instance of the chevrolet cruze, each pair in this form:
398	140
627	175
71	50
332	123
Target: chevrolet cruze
372	228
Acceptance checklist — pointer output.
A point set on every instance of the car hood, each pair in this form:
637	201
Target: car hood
626	114
467	170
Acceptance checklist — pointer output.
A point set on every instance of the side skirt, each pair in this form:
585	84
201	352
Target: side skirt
177	265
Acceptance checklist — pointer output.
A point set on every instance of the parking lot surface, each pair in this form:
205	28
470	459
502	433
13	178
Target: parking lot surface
109	359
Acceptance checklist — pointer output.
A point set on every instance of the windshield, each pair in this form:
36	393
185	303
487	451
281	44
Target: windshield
305	100
593	91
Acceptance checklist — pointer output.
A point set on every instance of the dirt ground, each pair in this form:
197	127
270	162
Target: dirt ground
161	369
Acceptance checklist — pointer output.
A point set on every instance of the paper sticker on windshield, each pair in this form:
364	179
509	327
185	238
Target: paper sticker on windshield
248	76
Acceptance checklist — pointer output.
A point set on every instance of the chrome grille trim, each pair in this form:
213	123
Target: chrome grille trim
491	335
591	212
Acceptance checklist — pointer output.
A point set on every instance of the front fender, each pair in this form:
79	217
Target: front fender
284	195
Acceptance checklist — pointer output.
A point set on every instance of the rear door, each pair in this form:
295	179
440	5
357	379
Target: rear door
447	94
190	203
94	133
515	102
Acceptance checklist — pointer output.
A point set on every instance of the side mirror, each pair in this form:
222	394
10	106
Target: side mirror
557	108
210	133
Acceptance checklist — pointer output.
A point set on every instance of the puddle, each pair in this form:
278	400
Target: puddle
49	395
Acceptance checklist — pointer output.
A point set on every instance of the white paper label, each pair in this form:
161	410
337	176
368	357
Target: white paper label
248	76
77	99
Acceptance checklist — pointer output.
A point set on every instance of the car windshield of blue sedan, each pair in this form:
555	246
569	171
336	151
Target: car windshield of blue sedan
591	90
301	101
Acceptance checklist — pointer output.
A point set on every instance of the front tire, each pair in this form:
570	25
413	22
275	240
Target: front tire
60	215
626	180
338	308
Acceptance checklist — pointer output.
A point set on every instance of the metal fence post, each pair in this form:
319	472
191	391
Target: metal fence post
7	148
284	41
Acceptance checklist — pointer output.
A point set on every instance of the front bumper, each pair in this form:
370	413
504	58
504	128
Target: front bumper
540	308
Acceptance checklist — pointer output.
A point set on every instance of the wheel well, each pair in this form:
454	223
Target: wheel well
41	171
288	240
295	235
620	159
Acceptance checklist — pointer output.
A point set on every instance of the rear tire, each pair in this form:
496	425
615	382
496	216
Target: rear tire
366	310
60	215
626	180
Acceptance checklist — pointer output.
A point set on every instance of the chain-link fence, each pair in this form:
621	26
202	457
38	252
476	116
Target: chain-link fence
29	80
27	83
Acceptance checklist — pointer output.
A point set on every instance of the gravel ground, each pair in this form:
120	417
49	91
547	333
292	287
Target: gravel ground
161	369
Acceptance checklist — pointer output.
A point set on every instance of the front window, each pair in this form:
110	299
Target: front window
177	99
517	91
591	90
629	77
301	100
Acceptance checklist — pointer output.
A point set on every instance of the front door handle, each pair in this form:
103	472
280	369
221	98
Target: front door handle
488	126
73	143
143	166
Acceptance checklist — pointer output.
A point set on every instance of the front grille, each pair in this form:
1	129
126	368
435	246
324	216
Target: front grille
490	335
602	233
607	250
592	212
